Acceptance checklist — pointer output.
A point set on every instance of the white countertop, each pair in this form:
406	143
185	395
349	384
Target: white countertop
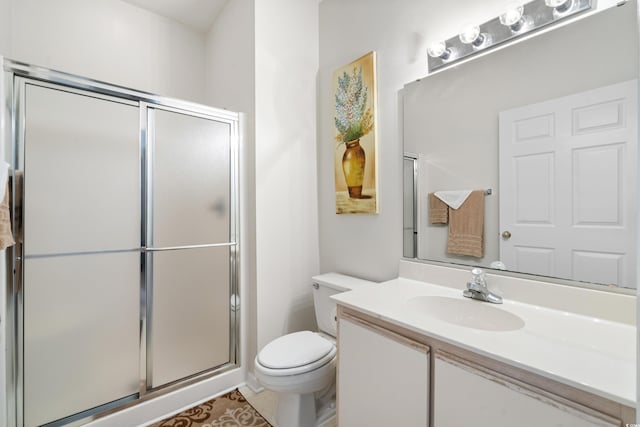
591	354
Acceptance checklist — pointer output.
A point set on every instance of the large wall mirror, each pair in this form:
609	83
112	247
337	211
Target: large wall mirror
549	126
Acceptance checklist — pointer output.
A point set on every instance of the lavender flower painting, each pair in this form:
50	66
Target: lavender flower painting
355	152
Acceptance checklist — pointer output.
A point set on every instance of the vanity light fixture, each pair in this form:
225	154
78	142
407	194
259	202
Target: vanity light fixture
440	50
517	20
513	18
559	6
472	35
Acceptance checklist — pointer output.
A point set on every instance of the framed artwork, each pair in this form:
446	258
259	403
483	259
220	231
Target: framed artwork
355	162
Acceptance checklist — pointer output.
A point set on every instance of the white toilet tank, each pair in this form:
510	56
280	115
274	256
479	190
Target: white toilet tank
325	285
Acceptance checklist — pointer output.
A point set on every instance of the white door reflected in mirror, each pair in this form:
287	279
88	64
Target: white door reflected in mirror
568	186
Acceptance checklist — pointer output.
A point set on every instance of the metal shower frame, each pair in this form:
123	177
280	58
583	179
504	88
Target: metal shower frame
16	76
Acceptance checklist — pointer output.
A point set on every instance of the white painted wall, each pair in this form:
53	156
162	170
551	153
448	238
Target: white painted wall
286	34
230	58
108	40
230	80
6	25
262	59
370	246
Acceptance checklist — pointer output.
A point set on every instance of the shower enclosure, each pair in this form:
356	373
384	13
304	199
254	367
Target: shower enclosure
123	281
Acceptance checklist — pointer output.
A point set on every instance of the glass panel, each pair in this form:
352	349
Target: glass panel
191	180
190	323
81	333
82	189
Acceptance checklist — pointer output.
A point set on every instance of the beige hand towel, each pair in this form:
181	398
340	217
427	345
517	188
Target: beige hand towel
6	237
466	227
438	210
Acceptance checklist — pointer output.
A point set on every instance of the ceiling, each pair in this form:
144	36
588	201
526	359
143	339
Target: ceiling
197	14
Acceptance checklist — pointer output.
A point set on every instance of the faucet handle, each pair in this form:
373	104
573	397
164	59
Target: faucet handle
477	288
478	275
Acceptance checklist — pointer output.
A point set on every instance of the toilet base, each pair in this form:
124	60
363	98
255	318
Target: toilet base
306	410
296	410
326	412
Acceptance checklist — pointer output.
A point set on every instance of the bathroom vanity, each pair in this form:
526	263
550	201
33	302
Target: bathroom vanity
414	352
528	125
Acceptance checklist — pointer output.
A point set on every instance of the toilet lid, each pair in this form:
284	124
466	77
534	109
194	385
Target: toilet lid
309	347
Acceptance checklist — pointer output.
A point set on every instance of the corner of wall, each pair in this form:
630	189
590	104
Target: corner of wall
286	161
230	84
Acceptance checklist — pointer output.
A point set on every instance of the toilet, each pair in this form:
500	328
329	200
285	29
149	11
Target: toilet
301	367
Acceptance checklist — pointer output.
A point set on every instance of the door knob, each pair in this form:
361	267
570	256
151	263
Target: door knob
506	234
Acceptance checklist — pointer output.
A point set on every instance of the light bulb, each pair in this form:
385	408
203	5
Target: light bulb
472	35
513	18
439	49
559	6
469	34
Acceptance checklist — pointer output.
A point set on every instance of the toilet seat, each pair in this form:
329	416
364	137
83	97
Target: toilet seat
312	352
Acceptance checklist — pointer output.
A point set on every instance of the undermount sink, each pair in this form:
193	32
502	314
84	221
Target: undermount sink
465	312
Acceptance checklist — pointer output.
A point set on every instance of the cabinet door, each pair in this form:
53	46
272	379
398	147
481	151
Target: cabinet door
383	378
468	395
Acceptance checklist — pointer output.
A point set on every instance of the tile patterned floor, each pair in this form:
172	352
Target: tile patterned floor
230	409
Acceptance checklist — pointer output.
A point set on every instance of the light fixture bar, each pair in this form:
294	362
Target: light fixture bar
535	15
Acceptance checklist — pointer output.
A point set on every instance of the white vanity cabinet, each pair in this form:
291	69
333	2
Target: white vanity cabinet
466	394
383	378
389	375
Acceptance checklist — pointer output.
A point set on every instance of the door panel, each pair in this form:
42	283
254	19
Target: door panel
534	183
191	304
81	333
568	186
599	267
81	169
597	185
191	189
535	260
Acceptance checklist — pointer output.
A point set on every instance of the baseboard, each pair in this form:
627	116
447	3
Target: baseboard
253	383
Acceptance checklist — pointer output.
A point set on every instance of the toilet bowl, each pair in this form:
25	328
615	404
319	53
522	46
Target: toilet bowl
301	367
299	378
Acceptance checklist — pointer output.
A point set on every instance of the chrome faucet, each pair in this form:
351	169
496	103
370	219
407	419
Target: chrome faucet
477	288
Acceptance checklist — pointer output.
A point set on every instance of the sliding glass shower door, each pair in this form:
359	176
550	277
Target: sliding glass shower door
81	245
124	212
189	238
